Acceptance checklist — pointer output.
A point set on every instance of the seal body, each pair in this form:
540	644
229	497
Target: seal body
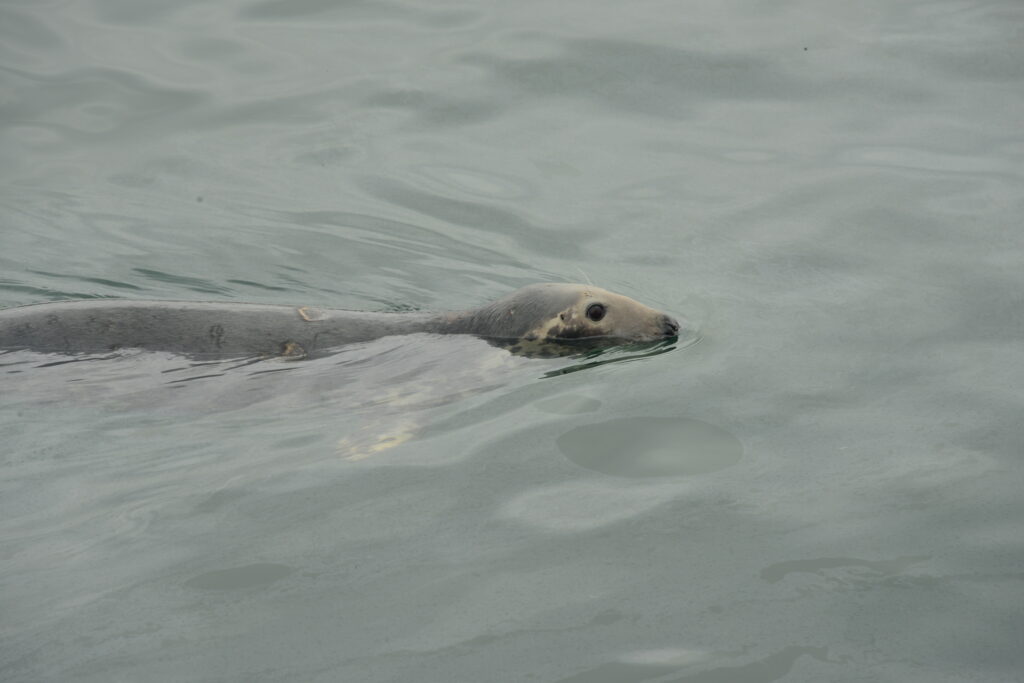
543	313
195	328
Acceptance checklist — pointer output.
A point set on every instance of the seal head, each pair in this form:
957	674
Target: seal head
563	313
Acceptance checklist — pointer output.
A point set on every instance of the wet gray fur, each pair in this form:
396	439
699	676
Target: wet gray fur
215	329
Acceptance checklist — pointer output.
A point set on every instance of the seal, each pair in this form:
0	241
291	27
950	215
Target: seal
540	314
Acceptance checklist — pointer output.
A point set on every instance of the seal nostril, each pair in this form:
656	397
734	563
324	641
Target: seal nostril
670	326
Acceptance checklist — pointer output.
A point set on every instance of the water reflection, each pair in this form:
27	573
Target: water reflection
248	576
618	354
651	447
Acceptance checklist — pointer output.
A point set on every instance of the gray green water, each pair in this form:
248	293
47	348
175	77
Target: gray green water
827	487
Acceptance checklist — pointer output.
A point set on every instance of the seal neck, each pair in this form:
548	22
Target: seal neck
460	322
365	325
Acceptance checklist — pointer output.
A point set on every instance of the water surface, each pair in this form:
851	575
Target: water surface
825	488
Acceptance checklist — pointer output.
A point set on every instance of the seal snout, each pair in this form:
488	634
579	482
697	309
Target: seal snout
669	326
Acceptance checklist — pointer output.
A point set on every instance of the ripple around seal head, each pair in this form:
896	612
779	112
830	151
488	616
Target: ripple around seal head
651	447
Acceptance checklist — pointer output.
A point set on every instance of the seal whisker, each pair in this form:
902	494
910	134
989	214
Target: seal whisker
585	276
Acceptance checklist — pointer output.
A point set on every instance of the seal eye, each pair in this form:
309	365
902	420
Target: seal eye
596	312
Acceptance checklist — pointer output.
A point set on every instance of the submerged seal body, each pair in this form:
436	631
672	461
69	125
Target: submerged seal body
549	313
